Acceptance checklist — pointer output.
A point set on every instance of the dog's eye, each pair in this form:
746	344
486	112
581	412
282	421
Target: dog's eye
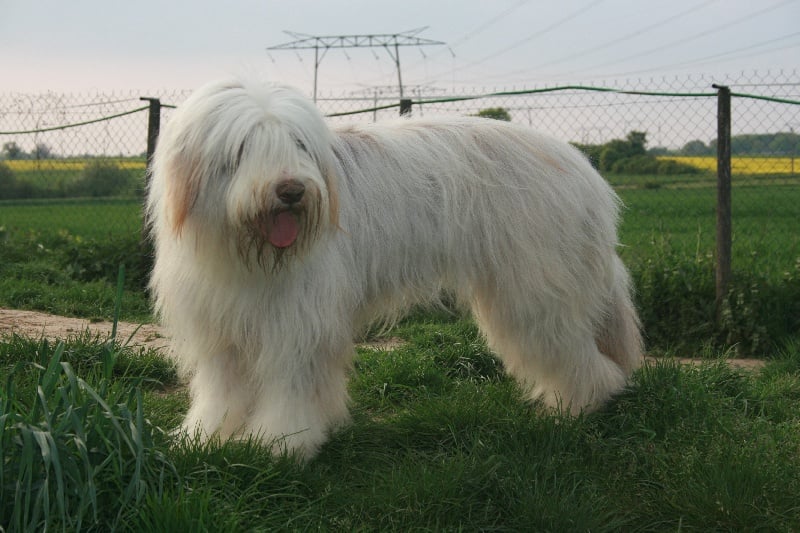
301	145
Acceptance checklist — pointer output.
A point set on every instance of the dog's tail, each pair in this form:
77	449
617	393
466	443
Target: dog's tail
619	338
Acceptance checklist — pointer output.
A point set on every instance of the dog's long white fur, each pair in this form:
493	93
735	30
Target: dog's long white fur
517	226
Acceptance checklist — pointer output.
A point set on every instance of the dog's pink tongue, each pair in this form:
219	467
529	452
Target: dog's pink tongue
284	230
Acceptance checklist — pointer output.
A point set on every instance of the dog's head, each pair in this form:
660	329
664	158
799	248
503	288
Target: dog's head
249	162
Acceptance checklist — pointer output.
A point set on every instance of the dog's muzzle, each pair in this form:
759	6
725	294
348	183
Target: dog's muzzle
285	226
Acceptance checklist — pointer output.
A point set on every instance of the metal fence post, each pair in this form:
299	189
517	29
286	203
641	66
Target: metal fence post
724	223
405	107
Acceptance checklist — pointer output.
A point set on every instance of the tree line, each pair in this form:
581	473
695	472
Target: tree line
754	144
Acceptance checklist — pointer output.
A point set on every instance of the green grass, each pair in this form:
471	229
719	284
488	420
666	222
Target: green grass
440	440
87	218
70	275
765	236
62	257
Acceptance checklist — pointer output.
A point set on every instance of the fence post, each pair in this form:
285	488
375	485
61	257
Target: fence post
153	125
153	128
724	223
405	107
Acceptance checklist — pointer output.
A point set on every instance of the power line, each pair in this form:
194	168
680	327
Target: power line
491	22
696	36
535	35
721	55
477	30
624	38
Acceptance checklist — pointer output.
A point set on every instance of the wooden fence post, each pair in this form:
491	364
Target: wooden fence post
153	125
724	222
153	129
405	107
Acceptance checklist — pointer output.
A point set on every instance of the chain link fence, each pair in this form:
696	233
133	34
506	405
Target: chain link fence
76	162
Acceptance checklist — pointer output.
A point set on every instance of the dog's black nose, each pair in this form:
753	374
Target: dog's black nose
290	191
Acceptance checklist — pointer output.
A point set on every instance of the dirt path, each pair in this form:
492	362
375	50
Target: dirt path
36	324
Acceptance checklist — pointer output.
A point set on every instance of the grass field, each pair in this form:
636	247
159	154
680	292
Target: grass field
67	253
683	220
88	218
440	439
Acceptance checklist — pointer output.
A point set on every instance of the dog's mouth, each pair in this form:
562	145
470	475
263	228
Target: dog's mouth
280	230
283	229
272	235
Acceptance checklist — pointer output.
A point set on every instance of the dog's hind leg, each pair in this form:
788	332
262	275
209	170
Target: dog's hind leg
619	336
549	351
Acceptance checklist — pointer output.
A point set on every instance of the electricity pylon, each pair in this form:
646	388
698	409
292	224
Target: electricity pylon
390	41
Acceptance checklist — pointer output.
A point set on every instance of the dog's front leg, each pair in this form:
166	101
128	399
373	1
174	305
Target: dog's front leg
300	397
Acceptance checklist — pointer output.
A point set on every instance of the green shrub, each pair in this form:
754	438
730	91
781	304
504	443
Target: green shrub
102	178
12	188
675	297
496	113
647	164
93	260
640	164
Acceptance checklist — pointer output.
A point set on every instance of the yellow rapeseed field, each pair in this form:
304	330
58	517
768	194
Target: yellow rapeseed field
23	165
743	165
739	165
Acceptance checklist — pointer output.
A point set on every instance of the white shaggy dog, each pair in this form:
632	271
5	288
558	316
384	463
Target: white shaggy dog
278	239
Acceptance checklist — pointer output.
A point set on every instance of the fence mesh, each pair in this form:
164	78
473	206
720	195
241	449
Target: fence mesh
76	162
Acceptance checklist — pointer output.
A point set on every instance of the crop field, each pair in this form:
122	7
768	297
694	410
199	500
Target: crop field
684	222
739	164
54	178
71	165
743	164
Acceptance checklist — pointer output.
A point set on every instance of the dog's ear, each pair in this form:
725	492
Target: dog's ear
183	188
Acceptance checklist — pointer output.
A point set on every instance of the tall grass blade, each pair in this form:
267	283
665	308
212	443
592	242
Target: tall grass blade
118	300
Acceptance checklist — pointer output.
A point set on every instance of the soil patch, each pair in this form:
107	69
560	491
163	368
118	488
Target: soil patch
35	324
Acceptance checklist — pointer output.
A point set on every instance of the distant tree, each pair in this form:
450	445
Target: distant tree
695	148
658	150
785	143
11	150
102	178
497	113
637	140
630	156
41	151
619	149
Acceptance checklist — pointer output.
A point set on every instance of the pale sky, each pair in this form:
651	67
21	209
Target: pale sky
60	45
